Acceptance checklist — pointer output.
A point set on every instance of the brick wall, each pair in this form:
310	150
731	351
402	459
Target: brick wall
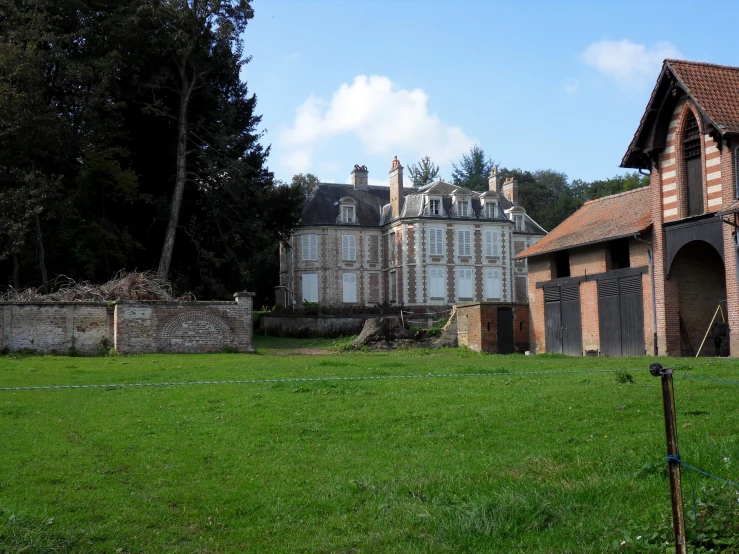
540	270
47	328
132	327
477	326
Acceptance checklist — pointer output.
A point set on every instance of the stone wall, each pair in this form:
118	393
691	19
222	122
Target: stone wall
132	327
312	326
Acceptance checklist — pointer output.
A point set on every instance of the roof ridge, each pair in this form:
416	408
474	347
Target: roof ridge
707	64
637	189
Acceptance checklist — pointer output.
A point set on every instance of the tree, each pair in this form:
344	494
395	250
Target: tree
473	170
199	35
423	173
304	183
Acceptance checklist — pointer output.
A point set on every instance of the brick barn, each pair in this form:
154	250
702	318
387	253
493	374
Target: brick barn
591	278
359	245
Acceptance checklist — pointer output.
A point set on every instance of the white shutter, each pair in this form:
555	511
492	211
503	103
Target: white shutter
436	282
492	243
348	247
310	287
310	247
350	287
436	242
464	241
492	284
464	283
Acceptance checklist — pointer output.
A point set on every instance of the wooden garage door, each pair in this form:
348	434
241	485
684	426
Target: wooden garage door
621	316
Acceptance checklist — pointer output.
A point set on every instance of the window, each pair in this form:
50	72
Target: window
518	222
435	207
463	208
350	287
693	166
619	251
392	245
348	248
310	287
436	283
310	247
562	263
491	209
464	281
492	243
493	286
464	242
436	242
393	286
347	214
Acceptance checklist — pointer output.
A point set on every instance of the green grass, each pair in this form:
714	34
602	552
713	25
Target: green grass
497	463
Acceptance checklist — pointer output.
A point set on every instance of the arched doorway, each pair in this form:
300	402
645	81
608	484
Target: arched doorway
701	282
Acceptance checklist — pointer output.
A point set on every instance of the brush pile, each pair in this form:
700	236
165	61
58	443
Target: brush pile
124	286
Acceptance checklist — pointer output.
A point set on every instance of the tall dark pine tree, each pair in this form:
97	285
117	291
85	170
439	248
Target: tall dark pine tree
423	173
472	170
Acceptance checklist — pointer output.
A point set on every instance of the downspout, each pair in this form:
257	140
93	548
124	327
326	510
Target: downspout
654	300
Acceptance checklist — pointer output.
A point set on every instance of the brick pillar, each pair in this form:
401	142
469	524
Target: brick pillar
730	253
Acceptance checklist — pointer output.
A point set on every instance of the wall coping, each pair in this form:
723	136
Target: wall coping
40	303
324	316
491	303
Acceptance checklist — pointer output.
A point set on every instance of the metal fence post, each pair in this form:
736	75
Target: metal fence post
673	455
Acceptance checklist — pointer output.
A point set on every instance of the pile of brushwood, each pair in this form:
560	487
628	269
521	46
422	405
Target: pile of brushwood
131	285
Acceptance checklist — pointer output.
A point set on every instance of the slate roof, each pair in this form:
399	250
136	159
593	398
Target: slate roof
611	217
373	204
713	88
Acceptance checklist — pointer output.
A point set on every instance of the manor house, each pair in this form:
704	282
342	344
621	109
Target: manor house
359	245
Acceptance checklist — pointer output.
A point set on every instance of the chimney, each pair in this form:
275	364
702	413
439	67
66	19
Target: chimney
510	189
359	177
494	180
396	188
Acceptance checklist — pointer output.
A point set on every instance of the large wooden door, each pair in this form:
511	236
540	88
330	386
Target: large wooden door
506	344
621	316
562	320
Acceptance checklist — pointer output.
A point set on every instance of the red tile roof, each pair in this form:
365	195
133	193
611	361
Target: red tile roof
715	88
610	217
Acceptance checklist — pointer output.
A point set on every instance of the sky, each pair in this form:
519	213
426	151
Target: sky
538	85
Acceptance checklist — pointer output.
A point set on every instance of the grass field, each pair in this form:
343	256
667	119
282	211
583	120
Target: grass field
520	458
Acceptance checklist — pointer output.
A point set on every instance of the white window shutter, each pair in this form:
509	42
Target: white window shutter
350	287
348	247
305	246
310	287
465	283
352	247
432	242
314	247
492	242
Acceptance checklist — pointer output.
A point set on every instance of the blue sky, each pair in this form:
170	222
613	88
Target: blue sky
538	85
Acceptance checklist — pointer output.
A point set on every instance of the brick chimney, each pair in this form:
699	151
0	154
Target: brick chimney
396	188
510	189
359	177
494	180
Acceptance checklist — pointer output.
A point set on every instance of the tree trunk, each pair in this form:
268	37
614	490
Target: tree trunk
16	272
179	187
41	256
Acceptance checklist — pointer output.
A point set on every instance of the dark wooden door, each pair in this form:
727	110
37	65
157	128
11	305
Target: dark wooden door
552	320
695	185
571	320
562	320
506	344
621	316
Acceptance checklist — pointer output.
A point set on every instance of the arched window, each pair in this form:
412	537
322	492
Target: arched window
693	166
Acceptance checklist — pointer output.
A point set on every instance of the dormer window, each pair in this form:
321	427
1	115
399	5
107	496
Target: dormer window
463	208
435	206
491	209
347	214
518	222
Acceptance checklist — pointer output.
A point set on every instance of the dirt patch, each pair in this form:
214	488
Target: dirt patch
303	351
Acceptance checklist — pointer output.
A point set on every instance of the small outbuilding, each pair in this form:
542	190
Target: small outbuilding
494	327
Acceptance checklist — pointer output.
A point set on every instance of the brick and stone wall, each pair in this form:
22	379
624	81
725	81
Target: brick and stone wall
477	326
132	327
312	326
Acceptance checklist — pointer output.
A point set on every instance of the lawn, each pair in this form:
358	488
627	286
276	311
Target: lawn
530	453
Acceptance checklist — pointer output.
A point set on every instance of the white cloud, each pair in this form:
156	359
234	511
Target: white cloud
572	88
385	119
627	63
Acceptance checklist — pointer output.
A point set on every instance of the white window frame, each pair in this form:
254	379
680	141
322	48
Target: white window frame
437	283
435	206
348	248
493	284
348	214
492	242
466	278
393	286
518	221
491	210
464	243
310	286
309	245
436	238
463	208
349	288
